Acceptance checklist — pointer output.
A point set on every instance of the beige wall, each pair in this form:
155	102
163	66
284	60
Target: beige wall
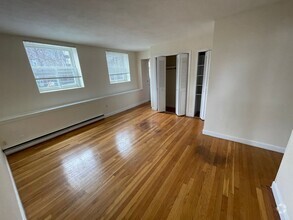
20	96
250	85
284	180
9	200
144	54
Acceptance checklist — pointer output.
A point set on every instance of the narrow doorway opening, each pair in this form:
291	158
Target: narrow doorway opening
203	69
171	84
199	82
177	83
145	76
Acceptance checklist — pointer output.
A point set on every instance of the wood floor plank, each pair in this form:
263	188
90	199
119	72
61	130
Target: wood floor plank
141	164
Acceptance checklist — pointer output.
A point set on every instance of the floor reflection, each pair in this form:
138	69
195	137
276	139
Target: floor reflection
123	142
79	168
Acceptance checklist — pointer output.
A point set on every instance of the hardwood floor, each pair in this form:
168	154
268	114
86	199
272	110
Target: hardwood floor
141	164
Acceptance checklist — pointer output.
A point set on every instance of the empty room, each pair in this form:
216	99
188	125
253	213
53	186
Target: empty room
159	109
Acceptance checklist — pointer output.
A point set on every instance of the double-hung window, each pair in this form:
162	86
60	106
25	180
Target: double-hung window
118	67
54	67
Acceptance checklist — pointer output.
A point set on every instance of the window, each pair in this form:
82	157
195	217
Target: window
118	67
54	67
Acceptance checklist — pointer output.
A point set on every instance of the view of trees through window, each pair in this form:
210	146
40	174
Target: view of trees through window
54	67
118	67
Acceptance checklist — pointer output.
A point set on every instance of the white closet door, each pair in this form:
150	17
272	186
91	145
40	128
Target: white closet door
205	85
153	83
181	83
161	79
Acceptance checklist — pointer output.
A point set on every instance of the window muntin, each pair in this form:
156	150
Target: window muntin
118	67
54	67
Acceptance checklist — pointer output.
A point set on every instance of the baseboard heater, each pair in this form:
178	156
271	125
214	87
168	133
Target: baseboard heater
49	136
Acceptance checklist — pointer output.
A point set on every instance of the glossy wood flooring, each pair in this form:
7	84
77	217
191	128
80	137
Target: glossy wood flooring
141	164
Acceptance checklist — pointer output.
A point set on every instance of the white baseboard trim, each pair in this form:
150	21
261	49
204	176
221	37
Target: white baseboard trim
52	135
38	140
281	207
245	141
19	203
125	108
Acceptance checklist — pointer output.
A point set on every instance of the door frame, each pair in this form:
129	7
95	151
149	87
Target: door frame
192	96
153	73
161	84
204	97
192	77
145	61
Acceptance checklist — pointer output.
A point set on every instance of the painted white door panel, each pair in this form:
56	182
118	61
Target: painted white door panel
153	83
161	82
181	83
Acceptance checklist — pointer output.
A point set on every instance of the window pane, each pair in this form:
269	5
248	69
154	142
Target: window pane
118	67
67	81
57	84
48	85
54	67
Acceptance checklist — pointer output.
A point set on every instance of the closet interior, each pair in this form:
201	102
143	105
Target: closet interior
171	84
199	82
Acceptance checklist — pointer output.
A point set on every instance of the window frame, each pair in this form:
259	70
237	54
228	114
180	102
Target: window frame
75	67
126	74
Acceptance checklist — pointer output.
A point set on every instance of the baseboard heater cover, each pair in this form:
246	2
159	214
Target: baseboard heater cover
49	136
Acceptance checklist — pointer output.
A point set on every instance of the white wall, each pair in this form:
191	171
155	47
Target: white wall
201	42
250	85
284	181
25	113
144	55
10	206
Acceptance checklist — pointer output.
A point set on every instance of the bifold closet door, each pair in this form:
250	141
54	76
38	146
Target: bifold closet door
153	83
161	82
181	83
205	85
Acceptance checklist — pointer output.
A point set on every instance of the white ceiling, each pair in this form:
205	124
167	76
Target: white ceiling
122	24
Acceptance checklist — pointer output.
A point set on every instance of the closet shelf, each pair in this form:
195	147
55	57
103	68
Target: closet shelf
170	67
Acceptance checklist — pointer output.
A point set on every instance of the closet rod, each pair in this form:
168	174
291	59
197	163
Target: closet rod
170	67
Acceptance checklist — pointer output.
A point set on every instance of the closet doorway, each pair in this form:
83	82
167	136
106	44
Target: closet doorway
171	84
166	74
203	69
